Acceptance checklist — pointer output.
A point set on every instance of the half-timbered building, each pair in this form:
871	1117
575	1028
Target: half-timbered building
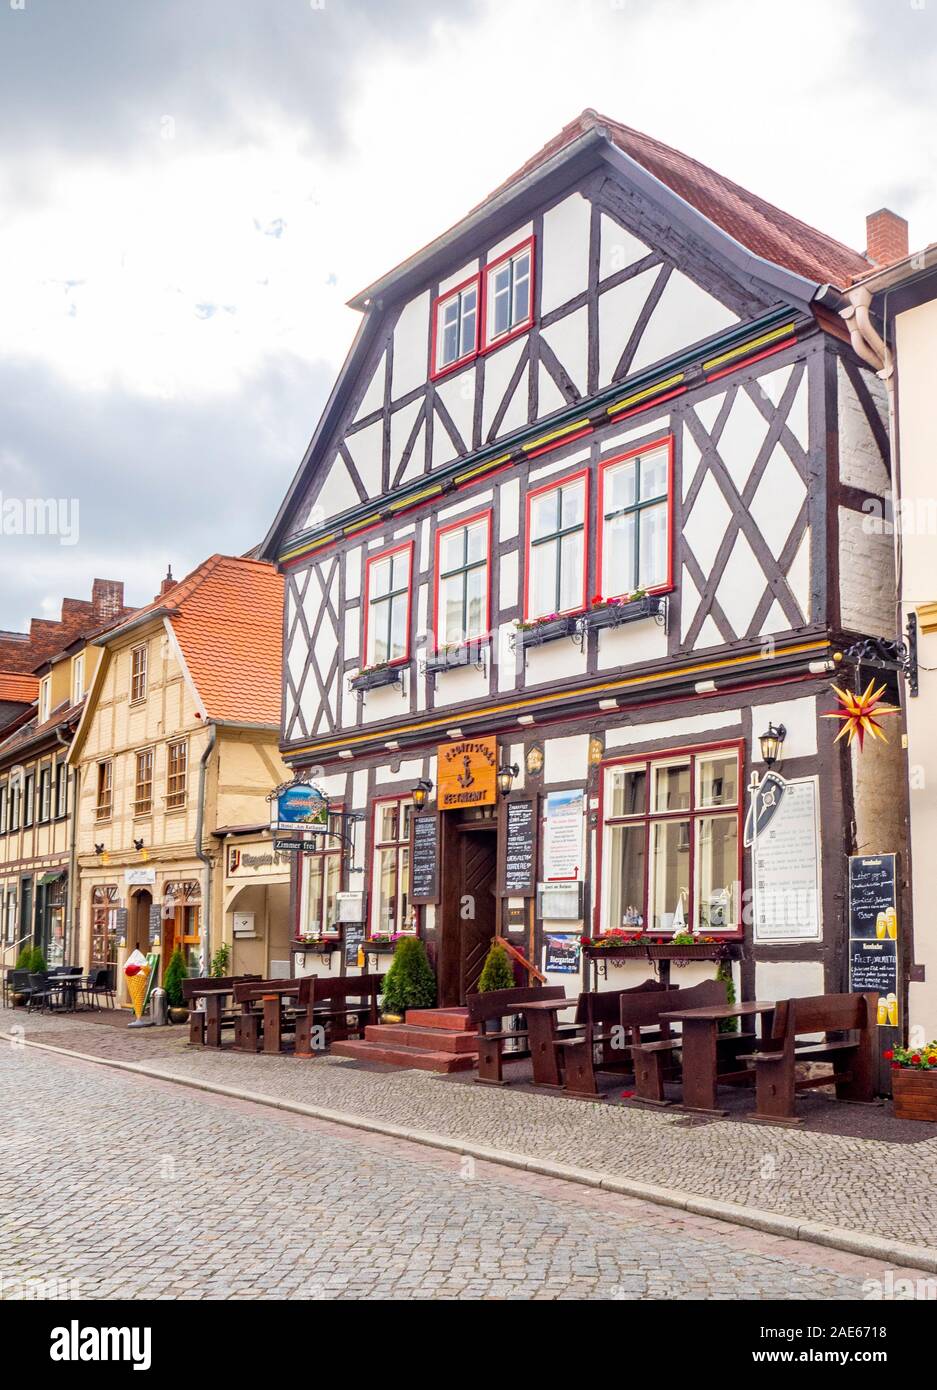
583	517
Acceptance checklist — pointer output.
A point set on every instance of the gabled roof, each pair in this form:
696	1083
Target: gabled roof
33	732
227	616
765	229
18	688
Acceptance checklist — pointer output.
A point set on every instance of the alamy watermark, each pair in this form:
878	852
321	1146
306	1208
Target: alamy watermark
40	516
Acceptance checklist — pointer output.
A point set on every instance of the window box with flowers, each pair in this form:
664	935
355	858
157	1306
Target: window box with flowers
615	612
914	1081
382	944
637	945
539	630
373	677
472	652
322	944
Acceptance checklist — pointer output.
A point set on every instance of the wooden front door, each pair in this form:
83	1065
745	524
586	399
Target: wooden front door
477	907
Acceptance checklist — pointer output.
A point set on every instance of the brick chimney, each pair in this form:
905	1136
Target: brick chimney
107	598
886	237
168	582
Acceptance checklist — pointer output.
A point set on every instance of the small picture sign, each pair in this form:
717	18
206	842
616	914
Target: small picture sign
561	955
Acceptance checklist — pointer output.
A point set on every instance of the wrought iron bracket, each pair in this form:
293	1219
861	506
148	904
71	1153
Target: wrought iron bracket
879	654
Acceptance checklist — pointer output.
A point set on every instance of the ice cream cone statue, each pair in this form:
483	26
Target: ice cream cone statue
137	975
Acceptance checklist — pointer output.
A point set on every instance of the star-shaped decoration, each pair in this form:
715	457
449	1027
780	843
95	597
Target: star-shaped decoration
860	713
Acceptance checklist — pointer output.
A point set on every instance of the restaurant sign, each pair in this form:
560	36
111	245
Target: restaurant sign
467	773
298	805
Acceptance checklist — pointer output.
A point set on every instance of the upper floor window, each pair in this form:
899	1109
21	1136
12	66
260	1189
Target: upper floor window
105	796
670	843
29	798
45	794
61	788
138	674
78	677
3	809
45	698
455	326
634	512
387	606
14	800
509	293
143	783
177	760
462	580
556	547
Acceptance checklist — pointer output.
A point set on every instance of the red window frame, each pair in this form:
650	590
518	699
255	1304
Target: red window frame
329	848
488	345
667	585
660	756
435	369
374	844
373	560
457	525
552	486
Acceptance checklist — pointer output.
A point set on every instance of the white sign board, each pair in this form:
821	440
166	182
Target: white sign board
563	837
786	866
134	876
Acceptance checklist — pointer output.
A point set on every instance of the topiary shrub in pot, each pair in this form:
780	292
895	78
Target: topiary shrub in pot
176	972
24	961
409	982
37	962
497	972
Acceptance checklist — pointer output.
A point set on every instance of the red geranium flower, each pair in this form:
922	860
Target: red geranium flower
916	1060
932	1059
888	1054
895	1066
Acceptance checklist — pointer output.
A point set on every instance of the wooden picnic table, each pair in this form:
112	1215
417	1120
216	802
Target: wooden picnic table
542	1035
701	1073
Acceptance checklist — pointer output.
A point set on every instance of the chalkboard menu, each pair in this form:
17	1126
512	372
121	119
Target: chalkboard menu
354	935
424	860
520	866
873	931
155	923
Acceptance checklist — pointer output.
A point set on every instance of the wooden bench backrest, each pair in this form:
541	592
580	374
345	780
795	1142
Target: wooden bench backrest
254	989
602	1006
347	987
644	1010
823	1013
498	1002
192	988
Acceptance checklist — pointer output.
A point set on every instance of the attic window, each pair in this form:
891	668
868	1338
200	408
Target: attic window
455	326
509	294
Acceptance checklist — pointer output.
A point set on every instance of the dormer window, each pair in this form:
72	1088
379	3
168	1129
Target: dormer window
509	294
78	677
45	698
455	327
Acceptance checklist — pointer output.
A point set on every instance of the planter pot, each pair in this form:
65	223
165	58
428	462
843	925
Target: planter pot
546	632
915	1094
392	1018
179	1015
372	680
467	654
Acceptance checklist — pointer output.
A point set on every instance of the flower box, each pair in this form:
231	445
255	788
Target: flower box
375	677
457	654
548	631
915	1093
617	614
661	950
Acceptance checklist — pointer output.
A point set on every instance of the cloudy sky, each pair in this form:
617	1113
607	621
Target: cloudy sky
190	190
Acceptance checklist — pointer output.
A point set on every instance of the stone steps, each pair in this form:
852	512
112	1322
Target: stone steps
432	1039
420	1058
428	1040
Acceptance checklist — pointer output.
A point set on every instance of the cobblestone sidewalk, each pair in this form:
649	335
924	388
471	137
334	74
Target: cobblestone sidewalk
264	1204
872	1185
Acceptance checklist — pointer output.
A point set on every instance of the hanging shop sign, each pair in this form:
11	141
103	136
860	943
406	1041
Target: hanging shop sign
873	931
563	836
298	806
466	772
782	830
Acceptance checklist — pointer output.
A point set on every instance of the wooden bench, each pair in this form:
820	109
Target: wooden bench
598	1021
655	1057
262	1018
492	1008
331	1003
205	1024
854	1059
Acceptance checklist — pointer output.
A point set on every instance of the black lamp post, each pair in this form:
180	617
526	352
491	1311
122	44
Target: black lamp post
506	774
771	742
421	791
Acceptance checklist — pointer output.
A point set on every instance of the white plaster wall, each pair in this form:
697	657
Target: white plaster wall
799	718
411	339
860	461
569	339
464	683
728	720
510	512
565	759
565	251
618	247
366	448
554	661
867	576
788	979
684	314
624	646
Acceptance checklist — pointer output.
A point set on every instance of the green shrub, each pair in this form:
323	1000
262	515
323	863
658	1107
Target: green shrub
497	972
221	961
37	961
176	972
410	982
24	961
724	973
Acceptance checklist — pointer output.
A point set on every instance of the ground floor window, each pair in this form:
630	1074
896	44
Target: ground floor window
105	904
322	881
390	869
670	842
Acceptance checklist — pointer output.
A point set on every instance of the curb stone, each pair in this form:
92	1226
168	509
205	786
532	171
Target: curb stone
793	1228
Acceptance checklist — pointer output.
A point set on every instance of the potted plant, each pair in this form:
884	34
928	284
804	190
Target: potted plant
221	962
496	972
409	982
533	632
914	1081
372	677
176	972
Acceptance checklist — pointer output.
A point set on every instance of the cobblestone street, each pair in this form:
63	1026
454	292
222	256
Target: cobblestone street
164	1192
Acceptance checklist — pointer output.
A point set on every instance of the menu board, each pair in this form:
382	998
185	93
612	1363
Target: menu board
354	935
424	860
155	921
561	955
873	931
786	866
520	850
563	837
